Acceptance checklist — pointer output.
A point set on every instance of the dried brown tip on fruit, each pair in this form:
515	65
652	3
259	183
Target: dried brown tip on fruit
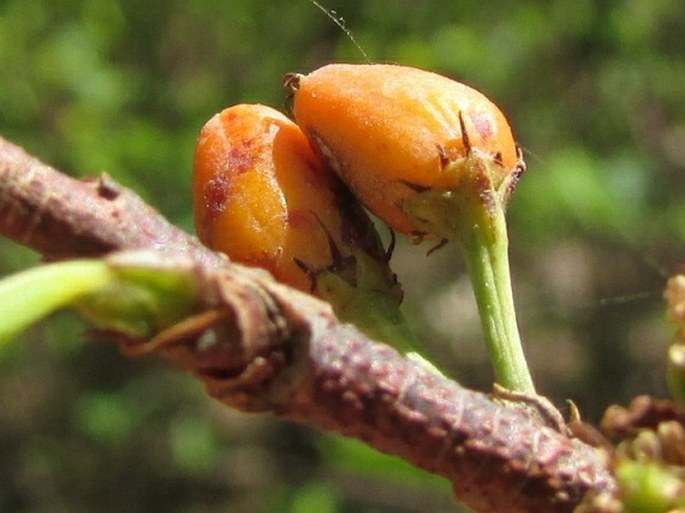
292	81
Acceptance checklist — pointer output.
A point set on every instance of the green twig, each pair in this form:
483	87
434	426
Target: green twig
136	293
31	295
485	246
472	213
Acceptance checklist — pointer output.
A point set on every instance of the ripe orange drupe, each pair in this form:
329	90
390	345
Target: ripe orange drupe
390	131
263	197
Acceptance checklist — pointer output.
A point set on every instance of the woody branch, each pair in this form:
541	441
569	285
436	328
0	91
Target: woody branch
286	353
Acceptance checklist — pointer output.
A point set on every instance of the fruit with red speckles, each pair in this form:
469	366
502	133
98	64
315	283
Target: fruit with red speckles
263	197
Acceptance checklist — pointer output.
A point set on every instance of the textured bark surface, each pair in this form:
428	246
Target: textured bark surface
62	217
271	348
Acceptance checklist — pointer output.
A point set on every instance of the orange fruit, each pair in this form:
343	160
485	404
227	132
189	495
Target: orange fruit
392	131
263	197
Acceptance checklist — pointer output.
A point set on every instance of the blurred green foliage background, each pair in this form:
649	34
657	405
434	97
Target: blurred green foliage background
594	91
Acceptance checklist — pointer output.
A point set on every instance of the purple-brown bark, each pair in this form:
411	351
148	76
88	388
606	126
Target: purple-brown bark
276	349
